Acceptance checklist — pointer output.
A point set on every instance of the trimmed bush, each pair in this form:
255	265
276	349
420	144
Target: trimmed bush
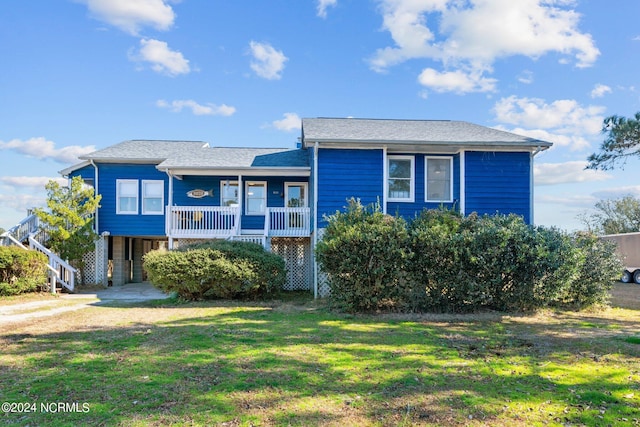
21	271
217	269
364	252
598	269
446	262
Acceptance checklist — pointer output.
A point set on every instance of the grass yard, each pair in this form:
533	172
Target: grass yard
296	363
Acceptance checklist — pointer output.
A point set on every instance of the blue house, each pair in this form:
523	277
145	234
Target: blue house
171	193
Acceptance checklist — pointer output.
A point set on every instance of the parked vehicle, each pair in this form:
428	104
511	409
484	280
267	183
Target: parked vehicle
629	251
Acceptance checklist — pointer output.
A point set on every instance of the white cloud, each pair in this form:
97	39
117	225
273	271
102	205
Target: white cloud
600	90
198	109
267	61
526	77
473	34
36	182
162	59
40	148
564	121
456	81
618	192
131	15
565	173
323	5
575	201
21	202
574	142
290	122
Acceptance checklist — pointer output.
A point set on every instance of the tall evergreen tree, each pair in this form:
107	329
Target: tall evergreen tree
69	220
622	141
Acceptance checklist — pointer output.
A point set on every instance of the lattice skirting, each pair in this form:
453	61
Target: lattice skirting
296	252
324	287
93	265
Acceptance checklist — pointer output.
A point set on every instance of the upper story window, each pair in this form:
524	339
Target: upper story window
127	196
152	197
439	185
400	178
229	193
256	199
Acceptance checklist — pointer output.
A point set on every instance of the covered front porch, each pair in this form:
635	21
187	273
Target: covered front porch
222	222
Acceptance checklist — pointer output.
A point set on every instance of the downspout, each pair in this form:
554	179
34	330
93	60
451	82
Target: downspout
240	205
385	181
463	190
315	219
168	213
95	190
533	154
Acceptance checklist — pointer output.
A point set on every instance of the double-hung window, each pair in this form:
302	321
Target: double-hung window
400	178
152	197
229	193
127	196
256	197
439	185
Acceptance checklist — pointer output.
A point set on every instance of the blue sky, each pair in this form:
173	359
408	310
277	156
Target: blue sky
79	75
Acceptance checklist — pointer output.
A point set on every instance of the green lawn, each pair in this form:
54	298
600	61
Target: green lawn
297	363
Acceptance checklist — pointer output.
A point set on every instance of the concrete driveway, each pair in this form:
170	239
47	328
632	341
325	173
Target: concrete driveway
131	292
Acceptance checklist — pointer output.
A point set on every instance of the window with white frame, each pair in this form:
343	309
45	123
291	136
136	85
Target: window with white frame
439	184
256	197
152	197
228	193
127	196
400	178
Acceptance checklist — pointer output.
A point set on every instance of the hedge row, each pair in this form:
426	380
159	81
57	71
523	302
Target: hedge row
217	269
21	271
442	261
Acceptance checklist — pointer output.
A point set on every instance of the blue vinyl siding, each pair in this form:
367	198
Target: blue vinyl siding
498	182
128	225
343	174
87	172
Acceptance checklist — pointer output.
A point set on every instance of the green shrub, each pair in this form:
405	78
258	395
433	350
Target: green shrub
364	252
494	261
217	269
598	269
21	271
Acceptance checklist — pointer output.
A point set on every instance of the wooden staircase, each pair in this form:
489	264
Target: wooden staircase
29	235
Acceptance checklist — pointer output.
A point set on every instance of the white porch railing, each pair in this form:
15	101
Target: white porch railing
21	231
288	222
202	221
64	272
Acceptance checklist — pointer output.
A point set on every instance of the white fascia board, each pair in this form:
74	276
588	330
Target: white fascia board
434	146
302	172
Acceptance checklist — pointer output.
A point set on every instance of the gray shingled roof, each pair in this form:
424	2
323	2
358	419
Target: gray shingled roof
427	132
144	151
229	158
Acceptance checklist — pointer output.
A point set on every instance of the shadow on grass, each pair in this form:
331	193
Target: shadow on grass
279	364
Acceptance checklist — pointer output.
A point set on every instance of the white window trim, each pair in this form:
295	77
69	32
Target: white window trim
246	197
118	210
296	184
412	193
231	182
153	181
426	179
